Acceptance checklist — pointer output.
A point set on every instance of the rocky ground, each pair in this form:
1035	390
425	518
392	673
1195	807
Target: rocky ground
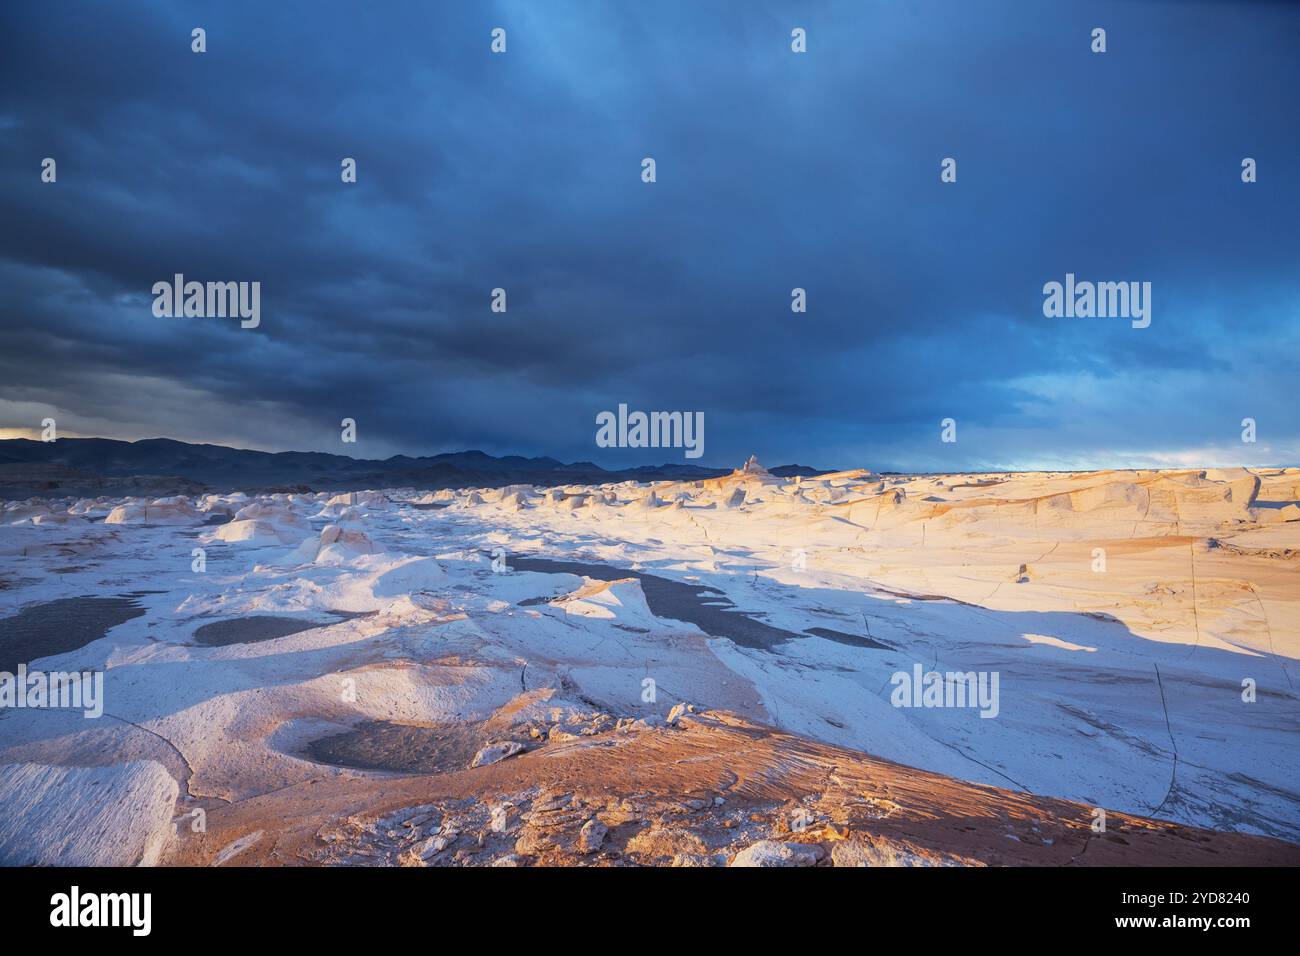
710	789
693	672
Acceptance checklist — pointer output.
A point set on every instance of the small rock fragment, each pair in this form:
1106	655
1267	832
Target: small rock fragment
592	835
772	853
551	802
494	752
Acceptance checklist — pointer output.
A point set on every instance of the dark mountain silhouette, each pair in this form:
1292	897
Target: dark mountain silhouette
91	466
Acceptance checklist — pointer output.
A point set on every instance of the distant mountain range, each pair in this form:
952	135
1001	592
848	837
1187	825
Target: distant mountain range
156	466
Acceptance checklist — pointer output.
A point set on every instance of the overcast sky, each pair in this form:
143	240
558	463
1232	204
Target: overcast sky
775	170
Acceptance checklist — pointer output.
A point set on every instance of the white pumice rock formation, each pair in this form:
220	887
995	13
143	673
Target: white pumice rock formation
1125	614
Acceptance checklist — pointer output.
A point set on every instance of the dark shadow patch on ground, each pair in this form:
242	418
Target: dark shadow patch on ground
706	607
62	625
263	627
399	748
850	640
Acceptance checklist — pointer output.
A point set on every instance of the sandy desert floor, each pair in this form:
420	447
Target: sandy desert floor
698	673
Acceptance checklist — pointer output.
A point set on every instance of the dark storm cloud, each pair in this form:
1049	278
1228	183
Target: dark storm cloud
775	171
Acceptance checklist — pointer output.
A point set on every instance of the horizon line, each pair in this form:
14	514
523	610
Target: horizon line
614	470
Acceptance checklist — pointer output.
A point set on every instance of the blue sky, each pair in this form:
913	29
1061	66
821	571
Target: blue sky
775	170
